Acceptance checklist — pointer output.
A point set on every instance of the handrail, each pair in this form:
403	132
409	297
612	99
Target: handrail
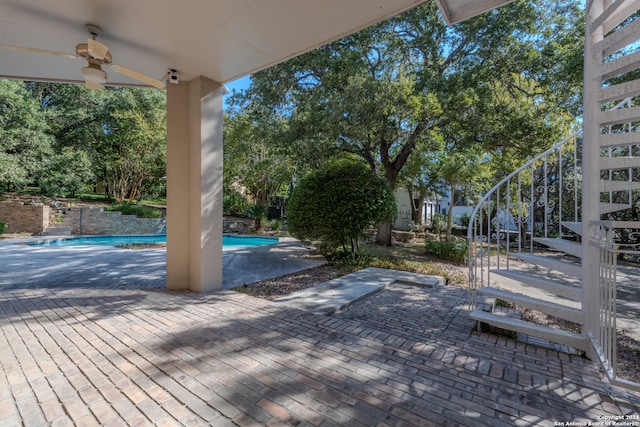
513	174
523	167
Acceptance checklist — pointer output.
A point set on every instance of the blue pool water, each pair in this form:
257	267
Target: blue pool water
228	242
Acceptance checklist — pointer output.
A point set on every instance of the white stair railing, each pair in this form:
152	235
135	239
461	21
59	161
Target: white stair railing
557	201
541	199
614	240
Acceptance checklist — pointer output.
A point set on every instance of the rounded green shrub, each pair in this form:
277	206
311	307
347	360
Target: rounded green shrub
3	226
234	203
336	203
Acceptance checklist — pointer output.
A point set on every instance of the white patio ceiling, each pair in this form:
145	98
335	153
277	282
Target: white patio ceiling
218	39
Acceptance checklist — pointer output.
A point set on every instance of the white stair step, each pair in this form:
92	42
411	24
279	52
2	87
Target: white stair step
606	208
614	14
571	269
566	246
619	116
620	91
621	65
608	185
563	289
557	336
571	314
619	139
607	163
619	39
576	227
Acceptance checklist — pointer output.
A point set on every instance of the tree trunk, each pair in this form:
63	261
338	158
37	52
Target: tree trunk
418	210
384	233
452	203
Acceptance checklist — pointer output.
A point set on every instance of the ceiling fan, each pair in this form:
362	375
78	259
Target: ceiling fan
96	55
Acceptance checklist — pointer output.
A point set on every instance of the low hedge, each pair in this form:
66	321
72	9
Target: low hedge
452	251
140	211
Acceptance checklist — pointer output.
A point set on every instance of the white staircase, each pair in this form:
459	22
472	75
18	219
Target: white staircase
528	245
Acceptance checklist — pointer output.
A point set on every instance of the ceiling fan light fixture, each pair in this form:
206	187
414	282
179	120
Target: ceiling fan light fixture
93	74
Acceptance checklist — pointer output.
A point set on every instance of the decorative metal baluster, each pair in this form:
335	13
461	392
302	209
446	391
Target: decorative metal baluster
482	242
519	213
507	220
575	180
545	204
560	182
497	223
610	154
532	212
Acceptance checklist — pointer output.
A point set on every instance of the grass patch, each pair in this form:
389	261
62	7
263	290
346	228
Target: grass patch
410	258
160	201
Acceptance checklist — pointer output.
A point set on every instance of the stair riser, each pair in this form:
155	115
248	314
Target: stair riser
556	310
606	186
606	208
576	227
546	333
565	246
574	271
610	163
571	292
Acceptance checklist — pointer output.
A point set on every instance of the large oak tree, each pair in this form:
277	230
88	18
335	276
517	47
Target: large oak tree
384	92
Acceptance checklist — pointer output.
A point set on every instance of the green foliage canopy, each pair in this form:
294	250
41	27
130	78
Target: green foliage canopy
25	138
66	172
335	203
252	159
65	138
507	82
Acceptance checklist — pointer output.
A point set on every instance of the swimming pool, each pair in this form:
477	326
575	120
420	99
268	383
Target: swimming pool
228	242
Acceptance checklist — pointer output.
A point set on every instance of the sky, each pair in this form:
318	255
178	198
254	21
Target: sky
240	84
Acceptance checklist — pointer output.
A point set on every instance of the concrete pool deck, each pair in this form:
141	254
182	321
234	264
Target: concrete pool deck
73	266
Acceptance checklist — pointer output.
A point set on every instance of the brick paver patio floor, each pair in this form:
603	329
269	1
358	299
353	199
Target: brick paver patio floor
405	356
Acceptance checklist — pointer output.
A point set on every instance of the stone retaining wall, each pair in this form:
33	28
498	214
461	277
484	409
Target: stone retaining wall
93	220
30	216
21	218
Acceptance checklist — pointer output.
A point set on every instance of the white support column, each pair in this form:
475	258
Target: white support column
194	185
591	171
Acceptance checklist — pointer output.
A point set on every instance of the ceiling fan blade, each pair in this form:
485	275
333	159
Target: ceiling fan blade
34	50
159	84
96	49
92	85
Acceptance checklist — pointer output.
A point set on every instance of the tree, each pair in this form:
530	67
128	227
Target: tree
66	173
252	159
133	148
381	92
421	178
121	131
24	136
335	203
464	173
